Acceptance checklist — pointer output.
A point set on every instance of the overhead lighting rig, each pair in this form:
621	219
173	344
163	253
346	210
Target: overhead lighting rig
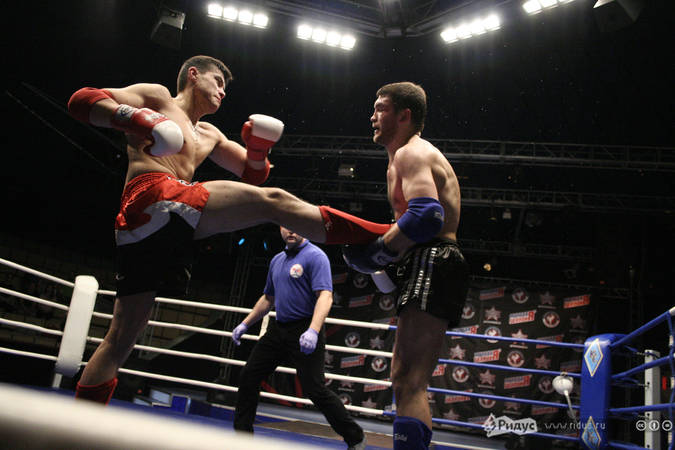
243	16
466	30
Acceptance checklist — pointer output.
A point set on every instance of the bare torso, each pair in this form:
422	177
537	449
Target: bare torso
198	144
433	165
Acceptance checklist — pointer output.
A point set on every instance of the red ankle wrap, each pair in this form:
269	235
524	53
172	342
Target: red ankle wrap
100	393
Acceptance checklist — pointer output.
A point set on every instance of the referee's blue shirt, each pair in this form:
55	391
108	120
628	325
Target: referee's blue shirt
293	277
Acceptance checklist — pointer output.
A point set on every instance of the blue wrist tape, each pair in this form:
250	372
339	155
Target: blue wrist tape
423	219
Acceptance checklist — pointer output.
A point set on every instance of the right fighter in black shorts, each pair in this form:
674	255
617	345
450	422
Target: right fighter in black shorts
432	274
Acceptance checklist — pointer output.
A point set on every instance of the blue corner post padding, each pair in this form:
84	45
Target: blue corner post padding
596	383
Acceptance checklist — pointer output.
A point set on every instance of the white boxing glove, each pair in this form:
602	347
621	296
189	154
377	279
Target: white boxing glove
260	133
383	282
165	134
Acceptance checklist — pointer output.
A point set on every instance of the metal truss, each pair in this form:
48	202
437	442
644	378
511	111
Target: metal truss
349	189
586	156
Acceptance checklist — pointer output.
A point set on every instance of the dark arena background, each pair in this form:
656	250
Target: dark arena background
559	126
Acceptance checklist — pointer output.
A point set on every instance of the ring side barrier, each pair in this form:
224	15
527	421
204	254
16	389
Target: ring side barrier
58	422
612	342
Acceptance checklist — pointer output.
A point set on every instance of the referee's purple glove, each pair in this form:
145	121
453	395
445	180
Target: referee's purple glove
308	341
237	332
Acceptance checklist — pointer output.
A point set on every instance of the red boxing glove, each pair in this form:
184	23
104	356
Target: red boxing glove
260	133
256	177
81	101
165	134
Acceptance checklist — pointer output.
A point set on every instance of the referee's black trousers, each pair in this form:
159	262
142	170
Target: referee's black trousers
280	344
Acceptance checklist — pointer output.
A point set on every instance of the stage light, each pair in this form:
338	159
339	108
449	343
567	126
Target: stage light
449	35
463	31
260	20
215	10
304	31
532	7
536	6
245	16
241	241
231	13
492	22
347	42
321	35
333	38
475	27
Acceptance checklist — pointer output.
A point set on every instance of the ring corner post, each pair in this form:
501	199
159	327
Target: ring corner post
596	381
76	328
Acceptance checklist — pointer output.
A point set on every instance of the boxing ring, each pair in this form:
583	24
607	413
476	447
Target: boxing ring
30	418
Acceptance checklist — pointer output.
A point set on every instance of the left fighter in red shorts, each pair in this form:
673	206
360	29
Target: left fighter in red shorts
162	211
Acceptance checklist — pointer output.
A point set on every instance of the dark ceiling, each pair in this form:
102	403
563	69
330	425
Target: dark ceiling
551	78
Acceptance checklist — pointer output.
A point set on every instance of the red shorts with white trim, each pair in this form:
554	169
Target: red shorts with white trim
154	234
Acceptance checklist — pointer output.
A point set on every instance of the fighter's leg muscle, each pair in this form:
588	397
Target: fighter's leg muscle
419	340
130	316
234	206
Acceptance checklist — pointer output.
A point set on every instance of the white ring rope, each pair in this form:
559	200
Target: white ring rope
37	273
190	328
210	331
224	387
30	326
31	298
12	351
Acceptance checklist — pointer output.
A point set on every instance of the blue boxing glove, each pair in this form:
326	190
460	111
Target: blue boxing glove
308	341
237	332
368	258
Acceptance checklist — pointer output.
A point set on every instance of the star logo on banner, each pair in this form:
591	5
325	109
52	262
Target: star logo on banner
457	352
512	407
519	334
369	403
578	322
546	298
492	314
487	377
377	343
451	415
542	362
